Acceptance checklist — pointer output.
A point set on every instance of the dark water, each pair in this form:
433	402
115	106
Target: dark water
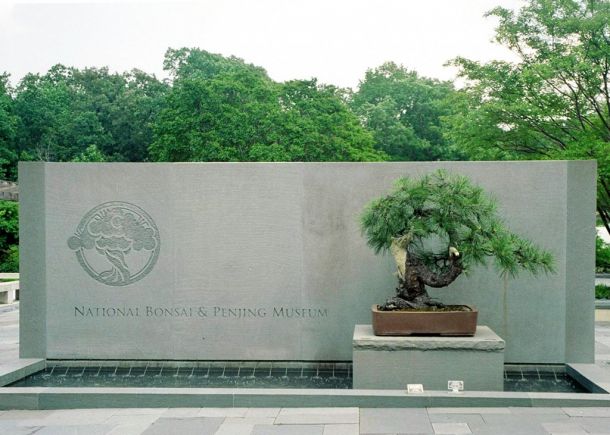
206	377
259	377
543	382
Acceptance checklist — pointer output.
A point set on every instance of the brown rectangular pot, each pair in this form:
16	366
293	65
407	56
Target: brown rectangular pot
453	323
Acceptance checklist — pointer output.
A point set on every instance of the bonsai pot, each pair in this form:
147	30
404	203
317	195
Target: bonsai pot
413	322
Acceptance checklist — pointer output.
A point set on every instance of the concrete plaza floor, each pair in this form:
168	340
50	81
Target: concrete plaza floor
298	421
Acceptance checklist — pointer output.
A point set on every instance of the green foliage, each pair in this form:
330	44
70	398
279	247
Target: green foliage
222	109
602	255
316	125
9	236
442	210
8	127
9	261
554	103
215	109
91	154
602	291
404	112
66	110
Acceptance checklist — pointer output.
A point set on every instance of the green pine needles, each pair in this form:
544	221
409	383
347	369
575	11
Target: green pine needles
441	225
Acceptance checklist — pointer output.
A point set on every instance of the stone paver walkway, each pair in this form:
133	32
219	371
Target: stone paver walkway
298	421
307	421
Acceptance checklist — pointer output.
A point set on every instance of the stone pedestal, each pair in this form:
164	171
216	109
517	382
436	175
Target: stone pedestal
394	362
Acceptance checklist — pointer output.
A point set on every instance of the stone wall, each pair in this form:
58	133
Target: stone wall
265	261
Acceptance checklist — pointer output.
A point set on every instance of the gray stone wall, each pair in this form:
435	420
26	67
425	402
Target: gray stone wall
266	261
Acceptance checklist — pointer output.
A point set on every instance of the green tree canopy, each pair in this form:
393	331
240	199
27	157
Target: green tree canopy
441	210
9	236
222	109
404	112
439	226
8	131
554	102
67	110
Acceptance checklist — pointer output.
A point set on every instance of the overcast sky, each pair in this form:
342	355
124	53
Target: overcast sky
333	40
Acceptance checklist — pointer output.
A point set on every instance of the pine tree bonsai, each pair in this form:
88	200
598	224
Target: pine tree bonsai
438	227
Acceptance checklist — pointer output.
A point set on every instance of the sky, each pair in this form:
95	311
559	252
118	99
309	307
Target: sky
333	40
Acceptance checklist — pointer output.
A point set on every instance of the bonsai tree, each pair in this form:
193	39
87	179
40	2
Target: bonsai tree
438	227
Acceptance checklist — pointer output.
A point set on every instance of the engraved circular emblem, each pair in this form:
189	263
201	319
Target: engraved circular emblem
117	243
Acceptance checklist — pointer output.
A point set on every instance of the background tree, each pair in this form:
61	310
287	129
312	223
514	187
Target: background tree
65	111
404	111
317	125
216	111
8	130
9	236
554	103
222	109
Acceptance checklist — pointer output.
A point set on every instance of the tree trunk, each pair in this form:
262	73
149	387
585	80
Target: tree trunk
413	278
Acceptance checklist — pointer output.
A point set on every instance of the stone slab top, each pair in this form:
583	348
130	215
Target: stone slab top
483	340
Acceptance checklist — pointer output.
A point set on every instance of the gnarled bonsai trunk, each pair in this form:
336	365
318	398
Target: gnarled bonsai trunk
414	276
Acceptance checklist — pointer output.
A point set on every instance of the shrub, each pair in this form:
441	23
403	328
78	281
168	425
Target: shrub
602	291
602	255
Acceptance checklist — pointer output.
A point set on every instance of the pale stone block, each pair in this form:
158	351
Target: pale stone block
394	362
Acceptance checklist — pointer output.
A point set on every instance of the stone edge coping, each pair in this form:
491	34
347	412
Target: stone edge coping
21	368
591	376
204	364
80	398
8	275
602	304
484	340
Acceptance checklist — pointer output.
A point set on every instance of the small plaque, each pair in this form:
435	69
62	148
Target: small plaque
455	386
415	388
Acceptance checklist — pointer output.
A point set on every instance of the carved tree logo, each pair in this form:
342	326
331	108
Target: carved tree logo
117	243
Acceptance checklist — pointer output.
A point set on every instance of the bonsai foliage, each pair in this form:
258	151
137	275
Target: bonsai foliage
438	227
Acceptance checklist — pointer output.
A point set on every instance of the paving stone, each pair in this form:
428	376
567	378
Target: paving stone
451	428
74	417
235	429
496	429
564	427
394	420
340	429
457	418
468	410
89	429
513	428
222	412
140	411
541	410
262	412
264	429
144	419
9	427
601	348
300	411
182	412
24	414
524	418
594	424
250	420
186	426
128	429
587	412
317	416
